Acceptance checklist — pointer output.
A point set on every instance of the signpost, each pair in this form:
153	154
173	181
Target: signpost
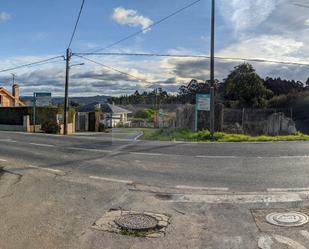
40	99
202	104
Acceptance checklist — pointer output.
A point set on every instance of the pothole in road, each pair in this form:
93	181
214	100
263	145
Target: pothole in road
164	197
287	219
133	223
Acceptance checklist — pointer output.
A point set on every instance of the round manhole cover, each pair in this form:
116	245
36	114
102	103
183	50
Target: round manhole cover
289	219
137	222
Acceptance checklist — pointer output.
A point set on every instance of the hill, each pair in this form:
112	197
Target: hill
78	100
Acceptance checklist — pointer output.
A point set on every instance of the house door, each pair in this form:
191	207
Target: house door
92	121
82	122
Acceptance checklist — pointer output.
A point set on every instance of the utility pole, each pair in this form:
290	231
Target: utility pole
66	93
212	69
13	77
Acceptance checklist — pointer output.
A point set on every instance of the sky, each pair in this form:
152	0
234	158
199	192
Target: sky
39	29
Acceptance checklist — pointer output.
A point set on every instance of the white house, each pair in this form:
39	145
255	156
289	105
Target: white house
111	115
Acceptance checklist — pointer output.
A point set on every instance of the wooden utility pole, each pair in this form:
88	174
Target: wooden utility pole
66	92
212	69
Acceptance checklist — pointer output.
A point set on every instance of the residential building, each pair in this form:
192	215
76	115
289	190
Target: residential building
8	99
110	115
113	116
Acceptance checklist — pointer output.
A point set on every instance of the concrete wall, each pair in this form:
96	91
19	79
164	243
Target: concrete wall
71	128
11	127
24	128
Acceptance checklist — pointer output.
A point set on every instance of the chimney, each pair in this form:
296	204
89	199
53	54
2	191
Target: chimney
15	93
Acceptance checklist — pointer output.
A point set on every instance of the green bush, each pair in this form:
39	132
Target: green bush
146	114
51	127
101	127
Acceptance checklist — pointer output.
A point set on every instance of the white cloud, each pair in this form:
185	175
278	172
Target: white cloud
307	22
269	47
4	17
246	14
130	17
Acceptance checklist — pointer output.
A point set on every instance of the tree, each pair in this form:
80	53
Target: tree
282	87
187	93
244	86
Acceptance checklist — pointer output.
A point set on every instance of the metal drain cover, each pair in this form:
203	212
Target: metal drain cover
136	222
288	219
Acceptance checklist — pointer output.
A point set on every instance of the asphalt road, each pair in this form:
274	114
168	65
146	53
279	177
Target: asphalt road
53	189
232	166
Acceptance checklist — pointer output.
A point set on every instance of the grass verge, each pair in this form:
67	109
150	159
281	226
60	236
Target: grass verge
205	136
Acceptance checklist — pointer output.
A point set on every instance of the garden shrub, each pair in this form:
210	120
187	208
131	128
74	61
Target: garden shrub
51	127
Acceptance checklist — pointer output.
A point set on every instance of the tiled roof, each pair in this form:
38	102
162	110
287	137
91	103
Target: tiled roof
114	109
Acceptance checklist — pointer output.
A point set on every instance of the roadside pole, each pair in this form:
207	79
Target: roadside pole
195	118
34	110
66	94
212	70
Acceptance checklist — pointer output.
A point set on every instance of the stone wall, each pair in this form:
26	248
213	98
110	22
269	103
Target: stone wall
279	124
184	117
242	121
258	122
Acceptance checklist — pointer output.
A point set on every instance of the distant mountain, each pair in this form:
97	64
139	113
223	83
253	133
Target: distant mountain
82	100
78	100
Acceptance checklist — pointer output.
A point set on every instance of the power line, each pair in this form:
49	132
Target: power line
263	61
150	26
114	69
77	21
197	56
122	72
301	5
146	54
30	64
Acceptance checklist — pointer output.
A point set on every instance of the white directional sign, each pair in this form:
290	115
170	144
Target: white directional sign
203	102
